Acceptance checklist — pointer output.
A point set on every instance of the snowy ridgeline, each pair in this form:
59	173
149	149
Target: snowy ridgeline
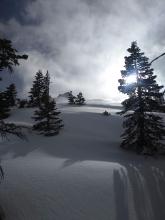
81	174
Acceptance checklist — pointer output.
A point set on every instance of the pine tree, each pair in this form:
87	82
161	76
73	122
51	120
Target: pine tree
49	123
144	130
71	98
45	88
4	109
11	94
37	90
80	99
9	57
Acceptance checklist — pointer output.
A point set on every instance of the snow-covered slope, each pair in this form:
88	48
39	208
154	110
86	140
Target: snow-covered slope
81	174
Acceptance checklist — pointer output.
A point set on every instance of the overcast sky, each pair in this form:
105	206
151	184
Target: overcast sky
82	42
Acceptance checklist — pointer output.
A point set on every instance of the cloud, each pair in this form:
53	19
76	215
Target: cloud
83	42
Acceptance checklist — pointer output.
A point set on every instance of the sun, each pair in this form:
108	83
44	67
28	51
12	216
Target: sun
131	79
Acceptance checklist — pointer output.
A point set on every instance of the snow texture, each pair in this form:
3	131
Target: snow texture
81	174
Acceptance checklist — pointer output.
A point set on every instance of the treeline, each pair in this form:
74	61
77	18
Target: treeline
76	100
46	116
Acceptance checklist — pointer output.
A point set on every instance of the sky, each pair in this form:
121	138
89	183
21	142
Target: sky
82	43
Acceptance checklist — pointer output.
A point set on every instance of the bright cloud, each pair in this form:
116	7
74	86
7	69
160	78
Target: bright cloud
83	42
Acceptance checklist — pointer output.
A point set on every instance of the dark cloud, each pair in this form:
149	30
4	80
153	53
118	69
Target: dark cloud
13	8
83	42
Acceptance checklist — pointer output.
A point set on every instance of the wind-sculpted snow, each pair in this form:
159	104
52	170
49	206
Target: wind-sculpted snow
81	174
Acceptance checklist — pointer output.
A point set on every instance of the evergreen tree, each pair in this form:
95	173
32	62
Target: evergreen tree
45	88
11	94
9	57
4	109
80	99
162	100
37	90
47	116
144	130
71	98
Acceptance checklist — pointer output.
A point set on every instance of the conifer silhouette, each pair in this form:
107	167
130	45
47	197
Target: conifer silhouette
11	95
80	100
71	98
37	90
9	57
144	130
47	116
4	106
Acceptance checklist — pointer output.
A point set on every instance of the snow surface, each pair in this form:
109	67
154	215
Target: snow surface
81	174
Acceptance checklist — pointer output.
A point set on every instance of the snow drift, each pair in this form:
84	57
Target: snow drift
81	174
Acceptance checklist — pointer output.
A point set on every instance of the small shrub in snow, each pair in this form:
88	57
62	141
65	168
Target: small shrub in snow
23	103
10	128
106	113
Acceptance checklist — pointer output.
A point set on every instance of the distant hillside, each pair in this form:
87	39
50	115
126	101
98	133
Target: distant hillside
64	95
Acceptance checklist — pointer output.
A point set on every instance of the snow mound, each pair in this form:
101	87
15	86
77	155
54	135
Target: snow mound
81	174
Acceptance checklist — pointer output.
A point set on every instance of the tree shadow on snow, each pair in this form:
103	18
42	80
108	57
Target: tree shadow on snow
139	191
78	141
16	147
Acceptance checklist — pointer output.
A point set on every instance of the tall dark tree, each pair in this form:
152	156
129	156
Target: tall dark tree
144	130
47	116
4	106
45	88
71	98
9	57
37	90
11	94
80	100
162	99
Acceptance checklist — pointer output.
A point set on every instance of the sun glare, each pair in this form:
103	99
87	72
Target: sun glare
131	79
109	81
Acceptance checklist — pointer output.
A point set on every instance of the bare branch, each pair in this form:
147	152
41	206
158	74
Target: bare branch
157	58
